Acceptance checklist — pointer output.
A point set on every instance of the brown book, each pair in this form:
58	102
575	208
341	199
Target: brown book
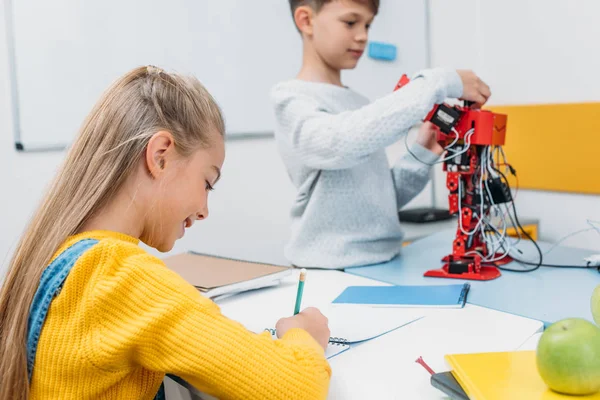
216	276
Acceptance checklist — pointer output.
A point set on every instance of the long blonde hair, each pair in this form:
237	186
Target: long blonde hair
109	146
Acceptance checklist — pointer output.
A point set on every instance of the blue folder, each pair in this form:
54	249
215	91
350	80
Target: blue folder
445	296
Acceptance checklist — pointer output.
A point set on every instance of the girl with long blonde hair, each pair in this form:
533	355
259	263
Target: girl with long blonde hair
85	313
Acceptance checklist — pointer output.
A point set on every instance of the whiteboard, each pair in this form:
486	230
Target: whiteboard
66	52
548	55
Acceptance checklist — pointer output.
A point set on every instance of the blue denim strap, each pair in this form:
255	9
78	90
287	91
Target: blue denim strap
50	285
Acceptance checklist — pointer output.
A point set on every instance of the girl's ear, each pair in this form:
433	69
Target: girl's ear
160	148
303	17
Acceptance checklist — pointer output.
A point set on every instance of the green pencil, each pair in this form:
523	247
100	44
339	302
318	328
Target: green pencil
300	289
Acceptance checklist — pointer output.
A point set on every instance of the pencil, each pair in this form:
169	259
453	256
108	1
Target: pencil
300	289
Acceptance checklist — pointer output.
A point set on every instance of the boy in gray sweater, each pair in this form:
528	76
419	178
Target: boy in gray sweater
332	140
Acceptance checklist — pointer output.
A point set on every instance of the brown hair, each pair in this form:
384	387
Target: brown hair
318	4
107	150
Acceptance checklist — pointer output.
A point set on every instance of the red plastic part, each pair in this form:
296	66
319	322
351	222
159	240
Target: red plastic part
403	81
490	128
505	260
486	273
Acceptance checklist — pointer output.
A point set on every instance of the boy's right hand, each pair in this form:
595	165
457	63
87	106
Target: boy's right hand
474	89
309	319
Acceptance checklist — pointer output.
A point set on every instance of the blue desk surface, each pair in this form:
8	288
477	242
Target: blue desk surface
548	294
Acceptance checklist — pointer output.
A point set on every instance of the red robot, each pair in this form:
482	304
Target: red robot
470	137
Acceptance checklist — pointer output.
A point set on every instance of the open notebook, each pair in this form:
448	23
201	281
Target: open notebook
218	276
355	324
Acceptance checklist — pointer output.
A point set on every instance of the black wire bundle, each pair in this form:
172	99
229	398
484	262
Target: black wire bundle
540	262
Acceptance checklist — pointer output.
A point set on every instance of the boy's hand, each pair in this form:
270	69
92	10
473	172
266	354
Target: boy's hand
427	138
309	319
474	89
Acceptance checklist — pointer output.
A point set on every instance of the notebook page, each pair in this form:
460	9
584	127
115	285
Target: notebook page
353	324
359	323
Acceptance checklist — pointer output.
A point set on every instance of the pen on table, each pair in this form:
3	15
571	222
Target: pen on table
300	289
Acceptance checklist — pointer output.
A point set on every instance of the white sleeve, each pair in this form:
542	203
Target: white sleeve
323	140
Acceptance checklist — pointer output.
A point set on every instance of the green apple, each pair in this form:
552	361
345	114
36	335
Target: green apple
568	357
596	305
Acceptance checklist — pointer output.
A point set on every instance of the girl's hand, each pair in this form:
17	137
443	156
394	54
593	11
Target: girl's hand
309	319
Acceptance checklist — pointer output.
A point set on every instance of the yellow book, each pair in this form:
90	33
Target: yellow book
503	376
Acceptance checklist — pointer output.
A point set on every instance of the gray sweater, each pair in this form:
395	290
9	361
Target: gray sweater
332	141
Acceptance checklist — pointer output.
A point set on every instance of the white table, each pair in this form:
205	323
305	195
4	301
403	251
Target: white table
385	368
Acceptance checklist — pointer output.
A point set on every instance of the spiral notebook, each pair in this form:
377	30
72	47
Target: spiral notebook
334	347
351	325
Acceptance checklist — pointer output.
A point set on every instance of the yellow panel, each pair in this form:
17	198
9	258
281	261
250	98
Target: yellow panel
554	146
530	229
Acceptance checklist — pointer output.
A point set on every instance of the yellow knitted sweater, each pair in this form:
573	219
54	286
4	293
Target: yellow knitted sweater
122	320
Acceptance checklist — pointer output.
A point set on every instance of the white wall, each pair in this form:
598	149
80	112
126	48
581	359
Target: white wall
248	210
529	51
